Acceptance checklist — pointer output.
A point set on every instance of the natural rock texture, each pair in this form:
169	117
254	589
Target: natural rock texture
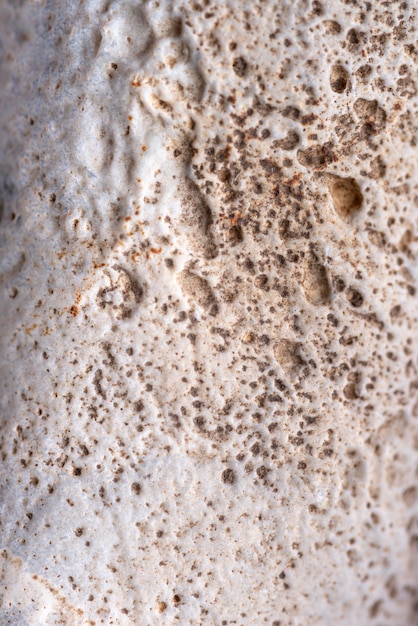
209	354
347	197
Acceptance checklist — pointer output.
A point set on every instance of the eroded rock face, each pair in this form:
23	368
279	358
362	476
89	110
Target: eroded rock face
209	374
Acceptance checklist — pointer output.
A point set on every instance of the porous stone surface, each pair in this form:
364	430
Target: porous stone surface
209	372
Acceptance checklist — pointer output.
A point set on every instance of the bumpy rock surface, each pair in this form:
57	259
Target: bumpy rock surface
209	353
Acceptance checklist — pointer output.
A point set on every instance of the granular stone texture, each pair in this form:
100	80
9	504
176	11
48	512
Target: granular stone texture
209	316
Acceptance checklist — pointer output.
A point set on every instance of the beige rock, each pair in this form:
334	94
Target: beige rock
208	347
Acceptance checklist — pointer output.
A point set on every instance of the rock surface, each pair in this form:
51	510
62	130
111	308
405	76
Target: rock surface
209	370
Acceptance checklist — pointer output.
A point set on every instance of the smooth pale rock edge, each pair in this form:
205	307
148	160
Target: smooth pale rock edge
53	251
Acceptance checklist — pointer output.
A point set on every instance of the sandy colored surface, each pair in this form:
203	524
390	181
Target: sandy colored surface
208	266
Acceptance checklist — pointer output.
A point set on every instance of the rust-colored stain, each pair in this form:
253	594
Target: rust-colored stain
135	83
234	220
156	250
128	219
130	118
30	329
97	265
291	182
135	256
61	254
74	309
144	148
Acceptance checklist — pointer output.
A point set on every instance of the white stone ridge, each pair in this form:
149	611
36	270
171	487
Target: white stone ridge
209	333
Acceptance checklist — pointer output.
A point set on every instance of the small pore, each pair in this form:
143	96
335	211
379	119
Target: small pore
287	354
239	65
196	288
315	282
234	234
372	116
346	196
316	156
136	488
228	476
354	38
354	297
338	78
289	142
